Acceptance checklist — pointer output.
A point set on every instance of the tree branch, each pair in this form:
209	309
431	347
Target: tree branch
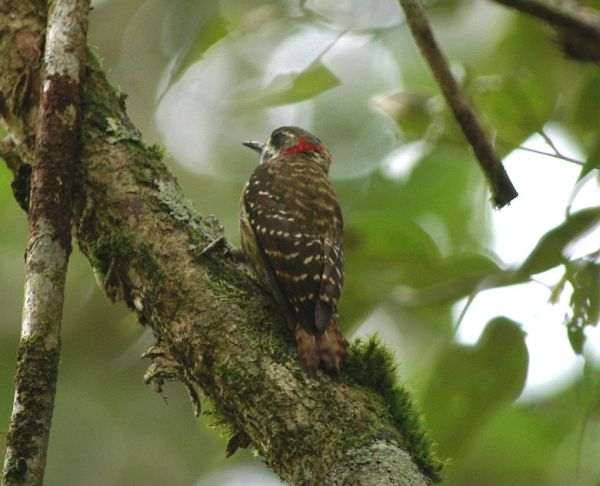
49	243
215	328
578	26
503	192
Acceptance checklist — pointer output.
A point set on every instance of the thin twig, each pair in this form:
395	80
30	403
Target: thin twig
49	243
548	154
549	142
503	192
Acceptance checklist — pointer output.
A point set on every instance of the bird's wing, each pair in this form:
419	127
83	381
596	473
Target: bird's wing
332	281
299	239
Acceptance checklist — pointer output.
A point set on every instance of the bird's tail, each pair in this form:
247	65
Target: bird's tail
327	348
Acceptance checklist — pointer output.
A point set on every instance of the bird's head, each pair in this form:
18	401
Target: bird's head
287	141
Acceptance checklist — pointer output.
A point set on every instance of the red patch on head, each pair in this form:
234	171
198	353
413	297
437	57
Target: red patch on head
303	146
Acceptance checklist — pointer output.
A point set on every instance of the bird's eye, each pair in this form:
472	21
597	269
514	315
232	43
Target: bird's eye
278	138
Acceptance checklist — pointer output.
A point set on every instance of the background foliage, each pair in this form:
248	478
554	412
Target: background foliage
202	77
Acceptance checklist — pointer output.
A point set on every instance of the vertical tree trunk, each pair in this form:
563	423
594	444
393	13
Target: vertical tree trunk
49	243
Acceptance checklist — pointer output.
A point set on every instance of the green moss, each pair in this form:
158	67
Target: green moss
110	259
226	291
105	250
146	163
156	152
372	365
93	59
104	105
95	100
119	129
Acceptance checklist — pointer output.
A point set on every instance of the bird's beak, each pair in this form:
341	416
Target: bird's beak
257	146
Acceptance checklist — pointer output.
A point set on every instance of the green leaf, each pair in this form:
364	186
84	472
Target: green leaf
548	253
509	104
375	237
410	110
576	338
588	103
293	87
455	277
584	277
212	31
381	253
470	384
441	184
592	162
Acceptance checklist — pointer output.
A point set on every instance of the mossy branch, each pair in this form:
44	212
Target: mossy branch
216	330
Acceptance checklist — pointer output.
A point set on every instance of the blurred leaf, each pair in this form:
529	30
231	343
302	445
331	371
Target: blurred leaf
455	277
444	185
520	444
410	110
444	7
212	31
293	87
524	79
382	252
549	251
527	52
591	384
592	162
389	253
587	105
557	290
469	384
576	338
375	237
584	277
511	106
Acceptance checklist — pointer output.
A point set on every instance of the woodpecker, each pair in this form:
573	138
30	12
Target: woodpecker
291	232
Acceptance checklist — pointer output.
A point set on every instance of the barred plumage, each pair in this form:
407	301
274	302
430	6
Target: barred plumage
291	231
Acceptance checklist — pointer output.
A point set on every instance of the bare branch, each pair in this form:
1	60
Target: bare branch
503	192
49	243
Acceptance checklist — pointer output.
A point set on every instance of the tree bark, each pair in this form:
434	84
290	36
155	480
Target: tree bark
49	243
215	328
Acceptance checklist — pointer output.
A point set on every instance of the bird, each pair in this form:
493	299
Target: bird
291	230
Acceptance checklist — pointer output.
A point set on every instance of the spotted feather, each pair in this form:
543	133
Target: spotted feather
292	234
